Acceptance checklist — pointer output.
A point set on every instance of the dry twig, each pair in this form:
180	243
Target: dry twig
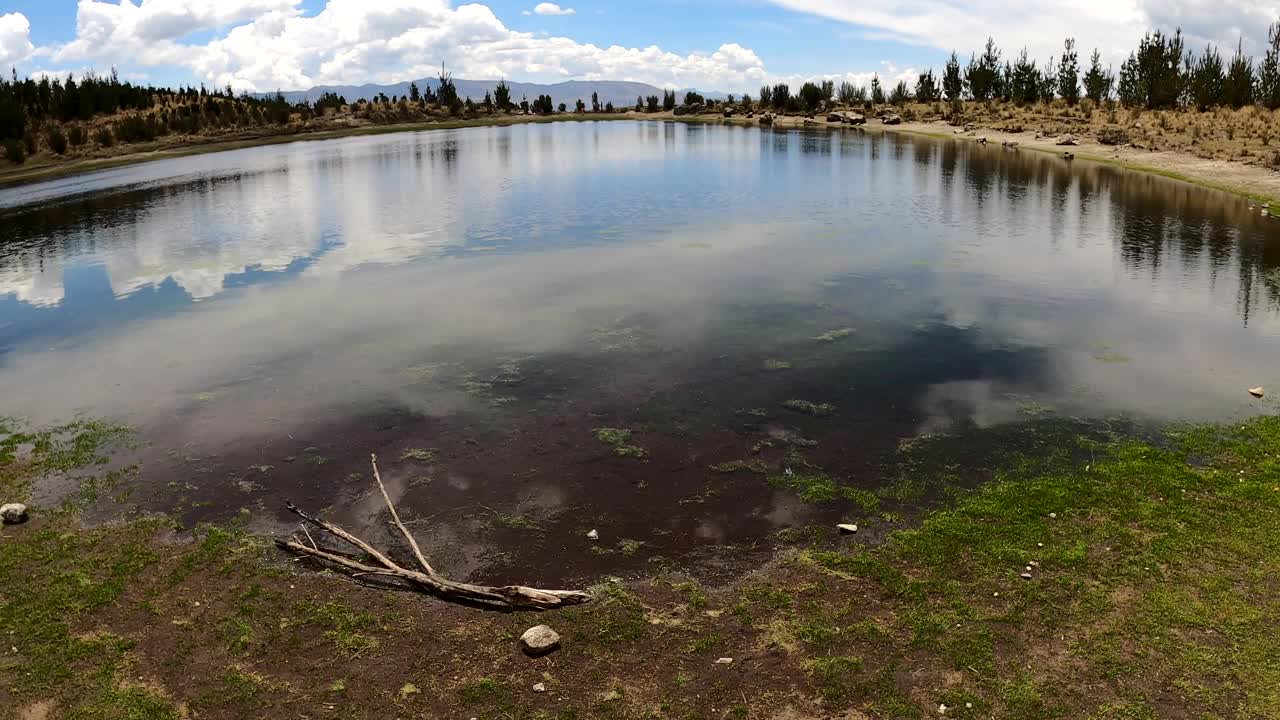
426	580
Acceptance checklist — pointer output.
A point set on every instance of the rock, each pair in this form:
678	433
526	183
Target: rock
982	141
593	535
728	112
808	122
969	127
847	528
1256	392
724	661
1068	155
836	117
538	641
1068	139
610	696
766	119
1011	144
750	114
1025	575
680	110
856	119
13	513
539	688
891	119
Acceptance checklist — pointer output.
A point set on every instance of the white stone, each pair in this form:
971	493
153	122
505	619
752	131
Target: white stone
847	528
724	661
1257	392
539	640
539	688
13	513
593	535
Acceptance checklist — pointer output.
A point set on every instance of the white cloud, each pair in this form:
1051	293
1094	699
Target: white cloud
1112	26
15	39
547	8
383	41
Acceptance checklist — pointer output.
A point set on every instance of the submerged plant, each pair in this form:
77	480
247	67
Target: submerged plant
810	408
419	455
618	439
772	364
834	335
755	465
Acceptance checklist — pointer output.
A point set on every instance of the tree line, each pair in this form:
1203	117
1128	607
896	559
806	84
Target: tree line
1161	73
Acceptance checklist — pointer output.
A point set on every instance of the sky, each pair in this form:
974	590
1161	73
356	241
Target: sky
724	45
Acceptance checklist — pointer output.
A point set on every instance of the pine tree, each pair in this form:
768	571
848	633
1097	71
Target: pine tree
1069	72
952	82
1025	80
1268	90
1237	91
877	92
983	75
1097	82
502	95
1048	82
1206	80
927	87
595	102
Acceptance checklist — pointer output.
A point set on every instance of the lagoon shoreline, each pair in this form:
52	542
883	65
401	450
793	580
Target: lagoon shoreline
1238	178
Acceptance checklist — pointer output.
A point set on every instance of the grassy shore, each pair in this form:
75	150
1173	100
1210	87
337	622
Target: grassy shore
1084	578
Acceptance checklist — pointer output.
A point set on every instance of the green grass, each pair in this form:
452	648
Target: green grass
346	628
815	486
483	692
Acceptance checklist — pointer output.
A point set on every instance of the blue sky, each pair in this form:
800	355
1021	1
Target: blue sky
729	45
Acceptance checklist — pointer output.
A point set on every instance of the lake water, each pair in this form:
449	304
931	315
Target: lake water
472	305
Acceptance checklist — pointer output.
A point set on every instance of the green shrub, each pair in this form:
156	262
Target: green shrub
103	137
57	140
15	152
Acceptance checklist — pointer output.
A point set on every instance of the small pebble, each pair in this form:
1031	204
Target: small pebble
1053	515
995	594
540	688
1025	576
724	661
969	705
942	709
847	528
593	535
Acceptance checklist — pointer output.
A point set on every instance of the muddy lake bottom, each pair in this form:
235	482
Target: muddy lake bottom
709	476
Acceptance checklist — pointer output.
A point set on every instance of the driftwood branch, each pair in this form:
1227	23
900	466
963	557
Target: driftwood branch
426	580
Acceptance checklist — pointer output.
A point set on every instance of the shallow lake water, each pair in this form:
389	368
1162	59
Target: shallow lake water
475	305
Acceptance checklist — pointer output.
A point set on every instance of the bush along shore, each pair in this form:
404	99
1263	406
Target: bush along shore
1098	576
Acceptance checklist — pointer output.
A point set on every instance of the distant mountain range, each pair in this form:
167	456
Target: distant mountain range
621	94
